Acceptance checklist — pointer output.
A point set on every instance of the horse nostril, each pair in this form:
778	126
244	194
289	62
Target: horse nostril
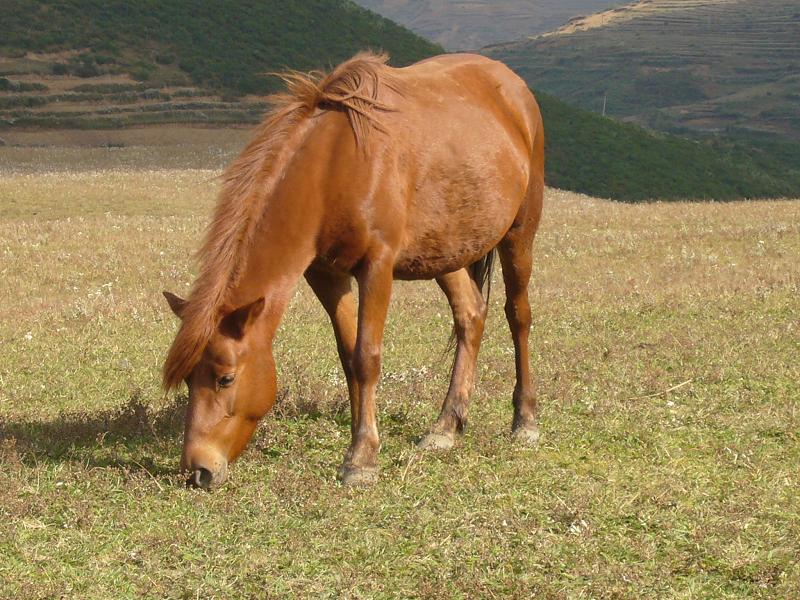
200	478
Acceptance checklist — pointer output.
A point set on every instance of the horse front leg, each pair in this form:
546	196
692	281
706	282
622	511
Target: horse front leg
360	466
334	291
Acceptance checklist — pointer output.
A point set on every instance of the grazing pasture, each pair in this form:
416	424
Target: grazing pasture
666	349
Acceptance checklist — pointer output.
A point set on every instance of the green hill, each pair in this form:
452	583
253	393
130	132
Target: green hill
223	45
104	65
600	156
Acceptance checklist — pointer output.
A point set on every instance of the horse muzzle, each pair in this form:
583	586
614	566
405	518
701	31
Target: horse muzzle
206	479
207	469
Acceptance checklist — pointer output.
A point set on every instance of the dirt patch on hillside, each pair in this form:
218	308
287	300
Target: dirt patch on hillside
628	12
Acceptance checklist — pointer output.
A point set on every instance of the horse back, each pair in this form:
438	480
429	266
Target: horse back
448	174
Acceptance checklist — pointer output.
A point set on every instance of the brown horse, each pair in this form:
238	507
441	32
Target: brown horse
372	173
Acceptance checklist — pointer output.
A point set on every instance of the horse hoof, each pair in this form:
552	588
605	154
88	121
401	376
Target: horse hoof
436	441
351	476
526	436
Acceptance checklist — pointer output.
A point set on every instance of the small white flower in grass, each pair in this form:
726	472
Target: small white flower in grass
29	336
578	527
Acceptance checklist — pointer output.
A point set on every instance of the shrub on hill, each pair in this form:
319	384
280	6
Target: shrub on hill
599	156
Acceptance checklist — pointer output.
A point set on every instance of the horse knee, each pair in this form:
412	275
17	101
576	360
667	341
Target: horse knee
518	313
367	364
469	321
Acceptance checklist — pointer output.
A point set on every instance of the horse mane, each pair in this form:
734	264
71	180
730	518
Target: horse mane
247	184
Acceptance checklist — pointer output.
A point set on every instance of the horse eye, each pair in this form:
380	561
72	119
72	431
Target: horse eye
225	381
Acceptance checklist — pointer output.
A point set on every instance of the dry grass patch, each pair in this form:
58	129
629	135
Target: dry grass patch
634	492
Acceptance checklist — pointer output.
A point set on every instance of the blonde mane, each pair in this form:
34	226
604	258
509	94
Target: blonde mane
353	88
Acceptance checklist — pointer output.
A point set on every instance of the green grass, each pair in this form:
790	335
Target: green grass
634	491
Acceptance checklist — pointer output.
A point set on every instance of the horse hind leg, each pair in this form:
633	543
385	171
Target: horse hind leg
469	315
515	252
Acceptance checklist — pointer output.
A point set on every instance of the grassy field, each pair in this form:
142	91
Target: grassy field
667	352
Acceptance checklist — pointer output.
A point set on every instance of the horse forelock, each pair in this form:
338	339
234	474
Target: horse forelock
353	88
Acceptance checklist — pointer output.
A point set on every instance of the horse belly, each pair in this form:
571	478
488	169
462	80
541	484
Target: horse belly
457	222
441	257
467	166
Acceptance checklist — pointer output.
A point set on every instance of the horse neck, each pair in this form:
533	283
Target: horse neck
283	247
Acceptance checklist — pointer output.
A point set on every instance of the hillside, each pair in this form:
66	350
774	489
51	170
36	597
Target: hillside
97	63
684	66
586	152
86	70
459	25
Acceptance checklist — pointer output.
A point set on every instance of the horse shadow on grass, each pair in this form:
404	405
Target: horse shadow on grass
133	436
79	436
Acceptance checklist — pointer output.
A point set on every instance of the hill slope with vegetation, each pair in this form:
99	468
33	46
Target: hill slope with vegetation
728	67
115	65
586	151
223	45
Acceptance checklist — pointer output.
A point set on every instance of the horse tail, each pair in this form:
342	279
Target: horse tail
481	273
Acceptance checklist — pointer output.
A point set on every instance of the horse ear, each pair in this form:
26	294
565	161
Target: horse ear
176	303
236	323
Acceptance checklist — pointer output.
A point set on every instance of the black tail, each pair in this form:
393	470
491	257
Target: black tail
481	273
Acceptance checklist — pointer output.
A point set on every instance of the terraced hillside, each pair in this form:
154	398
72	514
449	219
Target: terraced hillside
95	63
730	66
459	25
